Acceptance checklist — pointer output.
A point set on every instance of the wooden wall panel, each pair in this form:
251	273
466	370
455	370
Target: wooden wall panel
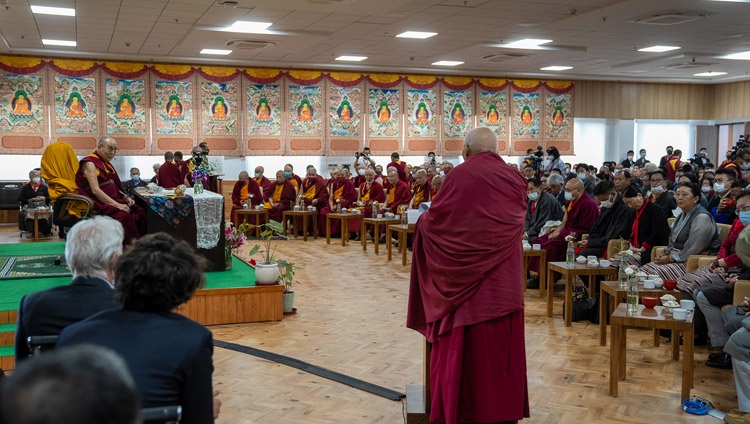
732	101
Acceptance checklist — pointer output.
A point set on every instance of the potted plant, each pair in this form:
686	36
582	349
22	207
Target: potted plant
286	277
234	239
267	271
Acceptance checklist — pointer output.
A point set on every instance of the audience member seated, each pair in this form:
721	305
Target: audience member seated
169	173
436	183
660	196
241	194
370	191
615	220
155	179
135	181
397	194
83	385
421	192
540	208
314	191
91	251
650	226
555	182
689	177
694	232
97	179
722	203
168	355
292	177
341	194
281	195
36	192
263	182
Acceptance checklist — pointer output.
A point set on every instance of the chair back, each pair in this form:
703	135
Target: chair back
670	221
723	231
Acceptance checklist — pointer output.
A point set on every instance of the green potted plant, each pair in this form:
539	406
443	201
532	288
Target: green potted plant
267	271
286	277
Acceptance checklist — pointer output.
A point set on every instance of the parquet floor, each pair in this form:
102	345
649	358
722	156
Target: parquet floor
351	313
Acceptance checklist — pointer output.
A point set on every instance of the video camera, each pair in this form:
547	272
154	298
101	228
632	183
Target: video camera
742	143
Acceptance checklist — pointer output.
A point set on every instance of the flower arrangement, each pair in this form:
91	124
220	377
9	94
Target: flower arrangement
201	171
235	237
571	238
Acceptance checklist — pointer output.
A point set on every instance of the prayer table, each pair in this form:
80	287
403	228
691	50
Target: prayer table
304	214
571	272
403	230
656	318
542	254
611	290
251	212
376	222
344	217
38	214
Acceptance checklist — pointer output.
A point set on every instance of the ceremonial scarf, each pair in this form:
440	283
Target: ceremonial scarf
636	222
310	191
277	192
365	192
392	194
244	194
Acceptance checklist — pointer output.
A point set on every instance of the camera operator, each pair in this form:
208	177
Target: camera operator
740	159
700	159
367	161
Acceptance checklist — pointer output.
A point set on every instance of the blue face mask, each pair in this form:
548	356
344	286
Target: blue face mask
745	217
257	175
136	177
533	195
568	196
582	175
288	174
643	155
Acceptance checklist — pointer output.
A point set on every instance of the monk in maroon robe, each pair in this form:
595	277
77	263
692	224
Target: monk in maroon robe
313	193
400	166
421	190
369	192
341	194
464	293
241	194
397	193
580	214
282	195
292	177
169	175
263	182
97	179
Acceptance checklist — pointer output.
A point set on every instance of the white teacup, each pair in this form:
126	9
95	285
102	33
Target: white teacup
380	215
536	246
659	283
649	284
652	277
605	263
296	207
679	314
591	258
687	304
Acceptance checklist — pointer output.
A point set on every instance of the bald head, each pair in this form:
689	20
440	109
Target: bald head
480	140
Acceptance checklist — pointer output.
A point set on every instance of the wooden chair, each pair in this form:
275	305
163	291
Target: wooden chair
723	230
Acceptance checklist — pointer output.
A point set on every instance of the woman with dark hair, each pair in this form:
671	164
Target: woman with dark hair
689	177
693	233
650	226
169	356
707	187
554	160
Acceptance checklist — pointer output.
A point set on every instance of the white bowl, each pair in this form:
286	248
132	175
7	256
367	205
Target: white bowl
679	314
687	304
581	260
604	263
593	264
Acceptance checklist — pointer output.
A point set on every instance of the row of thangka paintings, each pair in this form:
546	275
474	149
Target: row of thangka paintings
351	111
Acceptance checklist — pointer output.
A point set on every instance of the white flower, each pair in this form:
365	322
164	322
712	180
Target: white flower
629	271
629	252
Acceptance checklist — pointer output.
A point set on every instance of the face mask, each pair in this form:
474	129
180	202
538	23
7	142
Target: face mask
630	157
719	187
677	212
36	180
378	172
257	175
581	175
669	153
706	189
135	177
643	155
657	189
361	171
745	166
745	218
533	196
288	174
567	170
606	204
568	196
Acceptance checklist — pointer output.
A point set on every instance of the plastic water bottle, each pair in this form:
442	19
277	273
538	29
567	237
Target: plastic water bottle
633	298
375	209
570	255
622	276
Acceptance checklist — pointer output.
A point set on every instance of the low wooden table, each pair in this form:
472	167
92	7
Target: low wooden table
251	212
656	318
39	213
570	274
402	230
611	290
542	255
377	222
304	214
344	217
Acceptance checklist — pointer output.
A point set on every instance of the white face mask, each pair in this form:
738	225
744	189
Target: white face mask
36	180
606	204
568	196
719	187
677	212
657	189
706	189
745	166
361	171
533	196
630	157
582	175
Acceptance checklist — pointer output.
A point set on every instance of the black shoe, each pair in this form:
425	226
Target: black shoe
715	355
724	361
532	283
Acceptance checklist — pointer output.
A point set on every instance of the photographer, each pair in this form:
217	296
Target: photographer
740	160
365	157
700	159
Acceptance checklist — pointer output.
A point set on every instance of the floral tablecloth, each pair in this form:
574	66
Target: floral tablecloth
208	206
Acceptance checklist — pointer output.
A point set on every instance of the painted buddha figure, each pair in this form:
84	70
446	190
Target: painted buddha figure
457	114
384	114
526	116
304	111
344	111
557	116
422	115
20	105
75	105
219	109
124	108
263	110
493	118
174	108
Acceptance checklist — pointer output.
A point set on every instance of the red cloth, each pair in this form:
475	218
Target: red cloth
252	188
400	168
725	251
634	231
401	196
348	196
461	283
288	194
169	175
133	222
358	180
182	166
672	168
265	184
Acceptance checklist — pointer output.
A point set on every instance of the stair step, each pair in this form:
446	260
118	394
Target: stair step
7	358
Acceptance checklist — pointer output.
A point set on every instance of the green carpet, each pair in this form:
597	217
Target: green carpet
32	266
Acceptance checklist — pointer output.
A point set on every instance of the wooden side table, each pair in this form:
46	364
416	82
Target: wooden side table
304	214
376	222
252	212
344	217
542	255
610	295
656	318
570	273
39	213
402	231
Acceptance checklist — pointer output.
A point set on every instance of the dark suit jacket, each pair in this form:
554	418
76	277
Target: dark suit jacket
653	230
547	209
613	223
169	356
48	312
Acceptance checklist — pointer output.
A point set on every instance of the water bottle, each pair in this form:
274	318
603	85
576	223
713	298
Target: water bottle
622	276
570	255
633	298
375	209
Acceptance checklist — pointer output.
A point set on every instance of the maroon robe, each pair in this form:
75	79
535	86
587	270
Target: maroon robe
133	222
288	196
169	175
465	294
400	168
317	188
373	194
264	184
252	188
348	196
183	167
358	180
402	196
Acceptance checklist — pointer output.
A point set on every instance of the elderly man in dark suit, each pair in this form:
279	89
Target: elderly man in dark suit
91	252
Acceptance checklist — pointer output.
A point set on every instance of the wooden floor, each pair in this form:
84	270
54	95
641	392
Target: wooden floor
351	313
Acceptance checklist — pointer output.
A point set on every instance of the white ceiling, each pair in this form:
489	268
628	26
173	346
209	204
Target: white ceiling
597	37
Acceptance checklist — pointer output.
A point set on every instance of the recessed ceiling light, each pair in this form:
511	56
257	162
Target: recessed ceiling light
59	11
526	43
416	34
734	1
219	52
66	43
447	63
249	27
738	56
351	58
710	74
556	68
658	49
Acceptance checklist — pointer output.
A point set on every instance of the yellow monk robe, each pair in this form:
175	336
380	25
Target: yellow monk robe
244	196
276	196
309	194
59	168
420	195
295	184
391	194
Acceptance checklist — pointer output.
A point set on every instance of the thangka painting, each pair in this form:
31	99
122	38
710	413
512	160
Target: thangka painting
493	112
384	111
126	106
345	111
558	116
263	110
219	108
173	104
75	105
305	111
422	113
21	104
525	114
457	112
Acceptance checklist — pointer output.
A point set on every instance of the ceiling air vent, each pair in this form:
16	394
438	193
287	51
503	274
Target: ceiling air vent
688	65
502	57
670	18
249	44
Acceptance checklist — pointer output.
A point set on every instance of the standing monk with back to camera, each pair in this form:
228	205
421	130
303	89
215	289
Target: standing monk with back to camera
465	294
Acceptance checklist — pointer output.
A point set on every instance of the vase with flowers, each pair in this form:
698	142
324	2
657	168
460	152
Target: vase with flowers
234	239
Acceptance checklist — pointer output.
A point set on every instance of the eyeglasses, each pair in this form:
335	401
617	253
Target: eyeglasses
744	208
112	149
659	181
